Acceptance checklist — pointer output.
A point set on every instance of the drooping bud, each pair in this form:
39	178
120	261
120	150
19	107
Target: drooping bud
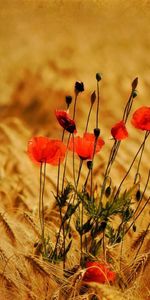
138	195
79	87
68	100
134	83
134	227
93	97
98	76
108	191
96	132
89	164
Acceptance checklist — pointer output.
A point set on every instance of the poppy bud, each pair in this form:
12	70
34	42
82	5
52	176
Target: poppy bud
134	227
68	100
134	83
94	297
96	132
134	94
98	76
138	195
93	97
79	87
89	164
108	191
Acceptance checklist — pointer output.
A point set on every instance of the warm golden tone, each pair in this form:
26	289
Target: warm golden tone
46	46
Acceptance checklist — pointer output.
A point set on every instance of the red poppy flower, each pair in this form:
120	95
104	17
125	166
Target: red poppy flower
141	118
84	146
65	121
98	272
119	131
42	149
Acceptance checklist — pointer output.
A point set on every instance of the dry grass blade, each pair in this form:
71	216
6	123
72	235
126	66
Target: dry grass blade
8	229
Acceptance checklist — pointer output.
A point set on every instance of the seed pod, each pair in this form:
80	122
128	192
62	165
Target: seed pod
79	87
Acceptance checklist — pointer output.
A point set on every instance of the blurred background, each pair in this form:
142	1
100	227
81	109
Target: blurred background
47	45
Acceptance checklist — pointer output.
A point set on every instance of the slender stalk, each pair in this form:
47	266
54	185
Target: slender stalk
73	160
127	173
58	174
65	164
88	118
138	167
115	147
111	159
86	180
98	102
104	246
139	204
40	192
42	208
146	185
75	103
128	107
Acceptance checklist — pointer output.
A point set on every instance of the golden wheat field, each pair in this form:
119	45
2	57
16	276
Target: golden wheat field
45	47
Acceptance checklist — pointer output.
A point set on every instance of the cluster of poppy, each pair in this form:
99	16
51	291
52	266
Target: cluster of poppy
98	272
51	151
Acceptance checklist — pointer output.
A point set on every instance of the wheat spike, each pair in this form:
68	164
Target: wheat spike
36	265
137	266
7	281
29	221
3	255
8	229
139	239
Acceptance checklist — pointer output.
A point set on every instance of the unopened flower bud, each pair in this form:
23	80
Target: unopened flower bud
134	83
96	132
98	76
68	100
138	195
89	164
134	227
93	97
79	87
134	94
108	191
